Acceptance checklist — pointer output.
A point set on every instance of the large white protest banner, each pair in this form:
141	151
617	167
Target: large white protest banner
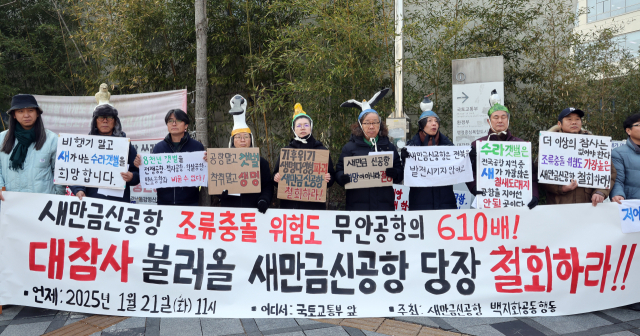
138	193
92	161
173	170
433	166
504	174
102	257
630	215
585	158
617	143
142	115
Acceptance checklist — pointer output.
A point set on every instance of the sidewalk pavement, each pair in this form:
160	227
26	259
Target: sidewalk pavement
27	321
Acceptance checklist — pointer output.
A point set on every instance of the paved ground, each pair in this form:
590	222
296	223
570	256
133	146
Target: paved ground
27	321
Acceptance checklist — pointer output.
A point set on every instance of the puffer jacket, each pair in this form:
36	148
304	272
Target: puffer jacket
626	159
555	195
39	165
378	198
431	198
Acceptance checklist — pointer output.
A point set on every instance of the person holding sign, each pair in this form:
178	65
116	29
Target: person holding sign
570	121
429	198
369	134
499	131
177	141
626	159
302	126
241	137
106	123
28	154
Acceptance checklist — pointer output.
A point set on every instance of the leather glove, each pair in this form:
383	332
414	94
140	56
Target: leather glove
225	194
404	153
344	179
263	206
533	203
392	172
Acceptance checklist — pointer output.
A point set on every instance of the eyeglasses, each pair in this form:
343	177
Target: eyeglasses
302	126
371	124
103	118
174	121
242	137
635	125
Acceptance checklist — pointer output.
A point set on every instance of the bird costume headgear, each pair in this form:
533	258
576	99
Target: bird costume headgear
495	104
300	113
426	105
238	111
365	107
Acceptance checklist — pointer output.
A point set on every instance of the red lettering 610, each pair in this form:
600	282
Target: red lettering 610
499	227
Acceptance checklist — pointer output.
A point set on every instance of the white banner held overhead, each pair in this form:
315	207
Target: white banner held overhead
169	170
102	257
142	115
92	161
585	158
434	166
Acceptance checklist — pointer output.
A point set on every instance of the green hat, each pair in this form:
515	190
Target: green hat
497	107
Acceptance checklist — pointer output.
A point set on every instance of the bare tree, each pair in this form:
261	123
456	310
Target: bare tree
201	84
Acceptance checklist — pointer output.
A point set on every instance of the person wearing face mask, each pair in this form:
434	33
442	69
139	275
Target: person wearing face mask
429	198
302	126
499	131
241	137
369	134
570	121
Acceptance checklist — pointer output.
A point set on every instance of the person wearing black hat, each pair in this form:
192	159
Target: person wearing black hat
570	121
105	122
28	153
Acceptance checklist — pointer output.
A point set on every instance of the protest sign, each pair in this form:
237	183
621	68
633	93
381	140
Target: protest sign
617	143
368	171
401	202
175	261
92	161
139	194
168	170
630	215
234	169
435	166
504	174
585	158
463	199
302	174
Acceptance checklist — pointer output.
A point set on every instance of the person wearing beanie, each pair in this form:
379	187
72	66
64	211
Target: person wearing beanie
499	131
429	198
369	134
302	127
106	123
241	137
28	154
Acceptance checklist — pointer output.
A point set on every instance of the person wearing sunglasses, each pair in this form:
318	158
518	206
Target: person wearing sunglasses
302	126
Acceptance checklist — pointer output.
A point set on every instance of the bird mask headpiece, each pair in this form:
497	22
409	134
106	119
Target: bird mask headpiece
238	111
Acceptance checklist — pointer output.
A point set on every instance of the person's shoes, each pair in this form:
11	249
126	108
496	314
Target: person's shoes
634	306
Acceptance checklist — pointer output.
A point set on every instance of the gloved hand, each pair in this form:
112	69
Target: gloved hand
225	194
344	179
263	206
404	153
533	203
392	172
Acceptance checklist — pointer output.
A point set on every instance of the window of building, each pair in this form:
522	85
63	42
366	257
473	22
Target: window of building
630	41
602	9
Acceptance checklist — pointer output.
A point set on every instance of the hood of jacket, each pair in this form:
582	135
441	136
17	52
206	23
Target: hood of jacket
558	129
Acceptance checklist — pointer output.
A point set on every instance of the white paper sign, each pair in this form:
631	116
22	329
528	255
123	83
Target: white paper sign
470	106
435	166
463	199
401	200
585	158
139	194
91	161
504	174
168	170
630	215
617	143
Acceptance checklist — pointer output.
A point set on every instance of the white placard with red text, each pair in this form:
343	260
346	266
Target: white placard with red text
58	252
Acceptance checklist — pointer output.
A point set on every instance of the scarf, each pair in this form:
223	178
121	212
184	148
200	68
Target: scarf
24	139
308	143
633	145
304	139
433	140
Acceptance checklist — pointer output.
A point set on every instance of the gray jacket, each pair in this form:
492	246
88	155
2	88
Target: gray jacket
626	159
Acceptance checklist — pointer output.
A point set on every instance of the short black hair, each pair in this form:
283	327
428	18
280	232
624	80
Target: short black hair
632	119
180	116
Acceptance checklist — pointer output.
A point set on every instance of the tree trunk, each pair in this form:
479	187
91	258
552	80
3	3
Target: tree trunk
201	84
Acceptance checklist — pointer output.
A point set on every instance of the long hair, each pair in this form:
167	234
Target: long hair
10	137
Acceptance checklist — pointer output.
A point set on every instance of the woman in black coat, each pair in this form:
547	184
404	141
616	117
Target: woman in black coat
302	126
369	134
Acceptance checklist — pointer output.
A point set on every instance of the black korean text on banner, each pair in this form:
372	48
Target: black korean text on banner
173	170
503	174
368	171
139	194
99	256
302	174
585	158
432	166
92	161
234	169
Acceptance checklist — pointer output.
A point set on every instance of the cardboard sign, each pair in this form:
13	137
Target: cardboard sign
168	170
585	158
504	174
234	169
302	174
91	161
435	166
368	171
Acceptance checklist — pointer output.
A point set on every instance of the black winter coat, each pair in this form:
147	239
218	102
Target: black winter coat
312	143
251	200
378	198
431	198
178	195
